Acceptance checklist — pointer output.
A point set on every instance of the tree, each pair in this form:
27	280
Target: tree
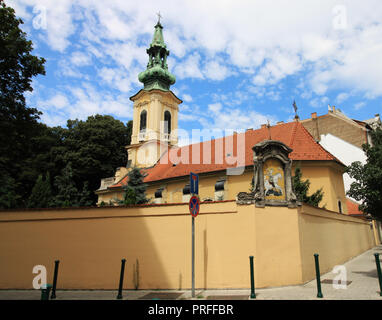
41	196
18	123
301	189
67	192
95	148
129	128
8	191
367	186
135	189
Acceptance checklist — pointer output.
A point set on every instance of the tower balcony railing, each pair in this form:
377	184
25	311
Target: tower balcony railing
166	137
141	136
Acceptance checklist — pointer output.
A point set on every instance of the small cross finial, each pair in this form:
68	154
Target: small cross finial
159	16
295	110
269	129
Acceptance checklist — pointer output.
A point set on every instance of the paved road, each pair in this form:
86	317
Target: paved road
360	271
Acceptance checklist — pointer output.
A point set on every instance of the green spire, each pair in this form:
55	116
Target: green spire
157	76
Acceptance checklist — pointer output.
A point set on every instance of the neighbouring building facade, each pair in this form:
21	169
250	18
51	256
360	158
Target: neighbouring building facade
342	136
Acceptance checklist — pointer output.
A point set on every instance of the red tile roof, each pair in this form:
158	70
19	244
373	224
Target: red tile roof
293	134
353	207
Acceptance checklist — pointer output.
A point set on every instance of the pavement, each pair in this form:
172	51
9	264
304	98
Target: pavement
361	284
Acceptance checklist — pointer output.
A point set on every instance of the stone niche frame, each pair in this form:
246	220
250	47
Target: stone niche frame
263	151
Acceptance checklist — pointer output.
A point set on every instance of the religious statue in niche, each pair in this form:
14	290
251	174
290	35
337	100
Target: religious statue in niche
273	179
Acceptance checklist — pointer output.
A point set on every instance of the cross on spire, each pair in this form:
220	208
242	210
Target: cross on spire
159	16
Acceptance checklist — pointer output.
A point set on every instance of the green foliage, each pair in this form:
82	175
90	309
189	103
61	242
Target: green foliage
18	124
17	64
94	147
135	189
301	189
368	178
8	192
41	196
67	193
129	131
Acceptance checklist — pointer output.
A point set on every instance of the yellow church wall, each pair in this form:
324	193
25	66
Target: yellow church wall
336	178
91	242
109	197
335	237
327	176
321	175
277	258
174	188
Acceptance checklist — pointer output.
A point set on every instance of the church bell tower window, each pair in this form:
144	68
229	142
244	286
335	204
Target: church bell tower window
142	125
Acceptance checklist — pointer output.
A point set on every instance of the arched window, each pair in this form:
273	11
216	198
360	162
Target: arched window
339	206
159	193
219	185
186	189
167	122
142	125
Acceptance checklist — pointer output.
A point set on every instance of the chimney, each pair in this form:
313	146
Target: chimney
314	115
280	122
249	129
263	126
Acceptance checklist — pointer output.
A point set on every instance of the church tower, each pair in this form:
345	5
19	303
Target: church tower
155	108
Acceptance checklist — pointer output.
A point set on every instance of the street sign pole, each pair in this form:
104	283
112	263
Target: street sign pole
194	210
193	257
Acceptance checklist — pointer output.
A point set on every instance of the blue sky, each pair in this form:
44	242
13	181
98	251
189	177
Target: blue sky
237	63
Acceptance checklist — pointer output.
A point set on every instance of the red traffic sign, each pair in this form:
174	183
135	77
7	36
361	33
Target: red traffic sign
194	206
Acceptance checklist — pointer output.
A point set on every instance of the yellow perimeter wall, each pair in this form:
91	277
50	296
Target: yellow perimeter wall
91	242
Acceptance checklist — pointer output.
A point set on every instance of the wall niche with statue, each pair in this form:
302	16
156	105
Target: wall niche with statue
272	176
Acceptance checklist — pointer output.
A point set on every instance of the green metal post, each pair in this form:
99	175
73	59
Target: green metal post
319	293
379	272
253	295
119	296
53	295
45	290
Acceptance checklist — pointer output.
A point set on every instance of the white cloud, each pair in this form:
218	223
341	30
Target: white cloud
234	118
190	68
80	59
59	101
215	107
186	97
359	105
343	96
118	79
81	102
216	71
279	65
57	23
